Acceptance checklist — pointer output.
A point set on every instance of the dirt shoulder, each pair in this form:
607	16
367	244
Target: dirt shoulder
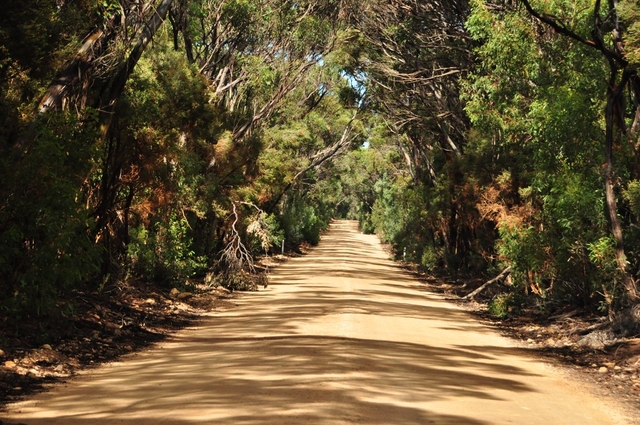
613	368
35	353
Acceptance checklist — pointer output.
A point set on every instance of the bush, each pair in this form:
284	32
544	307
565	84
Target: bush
240	280
303	222
430	258
46	248
164	252
503	304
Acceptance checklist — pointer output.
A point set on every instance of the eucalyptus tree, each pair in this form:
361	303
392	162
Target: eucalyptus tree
144	152
552	99
606	35
44	245
256	52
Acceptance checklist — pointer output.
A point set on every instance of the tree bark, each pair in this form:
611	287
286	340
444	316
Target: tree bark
610	197
56	96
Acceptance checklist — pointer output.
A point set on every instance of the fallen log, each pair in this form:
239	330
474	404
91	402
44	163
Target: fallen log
498	278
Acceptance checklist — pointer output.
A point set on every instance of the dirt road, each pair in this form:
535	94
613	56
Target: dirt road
341	336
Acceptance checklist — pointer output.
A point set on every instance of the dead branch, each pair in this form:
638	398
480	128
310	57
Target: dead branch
506	272
236	265
235	256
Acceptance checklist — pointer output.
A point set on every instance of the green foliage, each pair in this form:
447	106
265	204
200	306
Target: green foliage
239	13
399	217
219	155
632	195
629	13
45	229
164	253
170	127
532	97
504	305
359	170
313	32
303	221
264	233
298	180
46	241
35	36
602	254
524	250
431	257
151	198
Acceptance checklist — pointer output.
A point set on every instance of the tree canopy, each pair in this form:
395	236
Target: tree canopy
172	140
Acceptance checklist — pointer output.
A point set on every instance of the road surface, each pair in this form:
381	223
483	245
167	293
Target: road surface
341	336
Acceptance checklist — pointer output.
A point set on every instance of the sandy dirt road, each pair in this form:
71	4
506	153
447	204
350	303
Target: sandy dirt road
341	336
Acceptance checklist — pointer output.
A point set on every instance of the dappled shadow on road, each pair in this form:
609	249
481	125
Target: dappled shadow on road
291	379
302	358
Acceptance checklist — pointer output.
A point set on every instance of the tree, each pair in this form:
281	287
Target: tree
144	150
535	116
607	34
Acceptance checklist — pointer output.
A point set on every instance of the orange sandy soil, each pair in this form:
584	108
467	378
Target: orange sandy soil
342	335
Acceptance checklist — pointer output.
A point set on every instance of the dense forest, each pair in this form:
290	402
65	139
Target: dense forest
175	141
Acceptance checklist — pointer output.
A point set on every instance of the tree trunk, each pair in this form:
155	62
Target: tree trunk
57	95
610	197
617	61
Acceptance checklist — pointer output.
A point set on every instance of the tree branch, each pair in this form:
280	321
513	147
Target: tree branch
561	28
318	159
498	278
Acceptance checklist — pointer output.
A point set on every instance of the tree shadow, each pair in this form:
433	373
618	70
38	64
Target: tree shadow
287	379
294	353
